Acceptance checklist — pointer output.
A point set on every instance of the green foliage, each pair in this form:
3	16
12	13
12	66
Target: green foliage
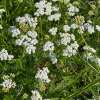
72	78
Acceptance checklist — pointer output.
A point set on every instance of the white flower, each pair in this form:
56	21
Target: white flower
6	77
33	41
36	95
48	8
32	34
29	38
54	17
5	56
81	29
55	0
1	26
89	27
53	30
15	31
55	9
71	50
75	45
43	8
68	51
48	46
21	19
10	57
97	60
88	48
89	56
98	28
27	18
53	58
66	38
1	12
19	42
72	10
92	58
72	37
28	42
66	28
42	75
74	26
30	49
8	84
47	99
31	21
65	41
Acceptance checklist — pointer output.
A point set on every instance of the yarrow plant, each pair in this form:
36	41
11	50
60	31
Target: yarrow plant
29	40
51	50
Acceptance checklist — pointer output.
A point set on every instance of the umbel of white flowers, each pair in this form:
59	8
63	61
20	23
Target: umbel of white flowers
89	55
5	56
42	75
46	8
36	95
8	83
29	39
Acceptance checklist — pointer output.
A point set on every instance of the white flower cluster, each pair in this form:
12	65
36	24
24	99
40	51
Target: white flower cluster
48	46
89	55
36	95
27	19
43	8
15	31
92	58
72	10
89	27
66	28
53	30
29	40
1	26
8	83
97	61
69	41
53	57
71	50
89	49
55	0
1	12
46	8
5	56
54	17
67	38
98	28
42	75
74	26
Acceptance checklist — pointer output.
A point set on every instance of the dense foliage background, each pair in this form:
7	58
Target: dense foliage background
72	78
